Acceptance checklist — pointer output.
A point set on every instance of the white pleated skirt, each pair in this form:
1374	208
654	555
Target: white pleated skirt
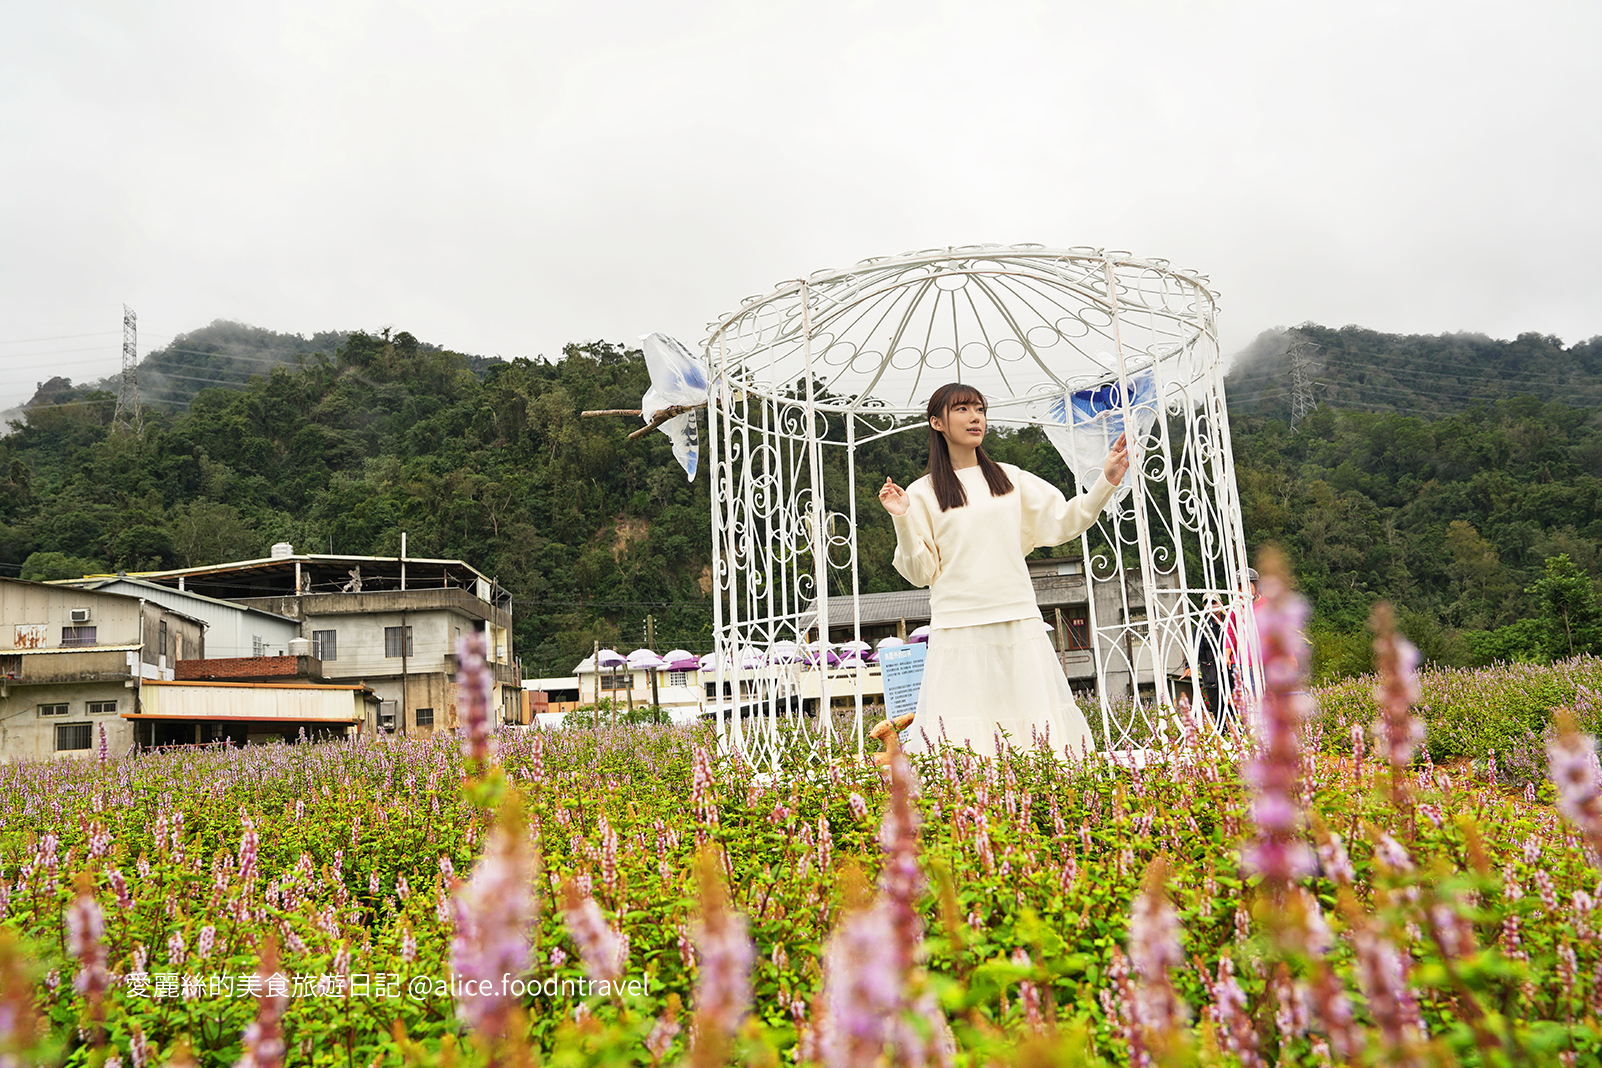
997	677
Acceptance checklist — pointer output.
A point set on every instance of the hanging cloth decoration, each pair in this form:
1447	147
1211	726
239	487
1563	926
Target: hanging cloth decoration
1083	424
677	379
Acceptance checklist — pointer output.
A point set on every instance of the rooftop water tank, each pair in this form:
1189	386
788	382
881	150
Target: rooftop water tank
282	549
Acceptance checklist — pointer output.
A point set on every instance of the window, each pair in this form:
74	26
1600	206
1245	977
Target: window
386	716
325	644
102	708
77	635
52	710
74	736
393	639
10	666
678	678
425	717
257	646
617	682
161	638
1078	633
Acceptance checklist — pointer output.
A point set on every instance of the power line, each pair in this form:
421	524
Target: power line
56	337
1400	365
1429	385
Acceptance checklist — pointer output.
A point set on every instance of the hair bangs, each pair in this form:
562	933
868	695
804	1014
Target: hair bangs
962	393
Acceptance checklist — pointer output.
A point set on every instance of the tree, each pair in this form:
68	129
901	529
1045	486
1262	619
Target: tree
1569	608
209	532
46	566
142	547
1477	568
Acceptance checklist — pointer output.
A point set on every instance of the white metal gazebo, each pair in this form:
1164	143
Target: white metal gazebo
1079	341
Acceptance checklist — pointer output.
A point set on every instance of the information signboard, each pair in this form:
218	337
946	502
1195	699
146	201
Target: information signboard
902	669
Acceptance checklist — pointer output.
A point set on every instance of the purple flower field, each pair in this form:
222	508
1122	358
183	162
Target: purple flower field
626	896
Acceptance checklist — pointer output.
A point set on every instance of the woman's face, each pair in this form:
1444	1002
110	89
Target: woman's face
964	424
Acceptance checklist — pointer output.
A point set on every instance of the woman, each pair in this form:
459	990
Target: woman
963	530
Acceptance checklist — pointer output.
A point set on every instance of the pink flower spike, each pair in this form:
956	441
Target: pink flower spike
724	959
1398	731
1154	952
86	932
599	946
264	1038
493	910
475	686
1572	760
1274	770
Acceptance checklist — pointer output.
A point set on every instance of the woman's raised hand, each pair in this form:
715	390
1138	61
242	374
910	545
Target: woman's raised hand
1117	461
893	497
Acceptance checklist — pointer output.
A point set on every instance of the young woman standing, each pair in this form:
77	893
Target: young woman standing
963	530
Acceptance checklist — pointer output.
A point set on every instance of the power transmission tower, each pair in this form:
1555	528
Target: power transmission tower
1302	400
127	414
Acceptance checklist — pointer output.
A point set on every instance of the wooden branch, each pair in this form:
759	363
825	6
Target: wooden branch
663	416
657	420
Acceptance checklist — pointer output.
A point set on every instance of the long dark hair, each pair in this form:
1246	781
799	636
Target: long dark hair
947	486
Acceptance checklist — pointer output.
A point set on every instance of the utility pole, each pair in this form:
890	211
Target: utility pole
650	643
126	416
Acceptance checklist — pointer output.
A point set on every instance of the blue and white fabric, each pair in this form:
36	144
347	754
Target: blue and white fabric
676	378
1083	424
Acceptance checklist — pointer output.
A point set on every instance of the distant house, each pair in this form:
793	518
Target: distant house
628	685
72	662
232	629
186	711
387	623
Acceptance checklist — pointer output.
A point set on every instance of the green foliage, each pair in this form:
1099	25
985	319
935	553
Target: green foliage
342	450
1570	611
1443	495
1470	713
1524	642
609	713
1338	655
1430	375
43	567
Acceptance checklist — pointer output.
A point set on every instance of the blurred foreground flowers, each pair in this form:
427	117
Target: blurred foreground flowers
620	896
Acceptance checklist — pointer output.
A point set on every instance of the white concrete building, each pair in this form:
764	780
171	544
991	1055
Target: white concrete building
390	623
232	629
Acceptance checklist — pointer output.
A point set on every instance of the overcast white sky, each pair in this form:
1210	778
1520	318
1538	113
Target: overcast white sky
504	178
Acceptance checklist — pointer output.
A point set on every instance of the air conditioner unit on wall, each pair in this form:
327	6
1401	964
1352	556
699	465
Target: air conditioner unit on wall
79	615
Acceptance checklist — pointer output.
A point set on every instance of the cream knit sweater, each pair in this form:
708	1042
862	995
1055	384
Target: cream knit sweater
972	558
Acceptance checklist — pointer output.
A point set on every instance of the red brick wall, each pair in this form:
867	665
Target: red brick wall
237	667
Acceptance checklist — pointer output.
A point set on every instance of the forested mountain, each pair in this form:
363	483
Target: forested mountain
1352	369
1453	511
223	354
348	450
1441	472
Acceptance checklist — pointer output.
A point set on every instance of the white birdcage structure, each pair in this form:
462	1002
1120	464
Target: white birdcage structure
808	376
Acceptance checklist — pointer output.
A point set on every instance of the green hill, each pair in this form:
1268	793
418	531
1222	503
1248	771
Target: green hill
1449	502
1352	369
